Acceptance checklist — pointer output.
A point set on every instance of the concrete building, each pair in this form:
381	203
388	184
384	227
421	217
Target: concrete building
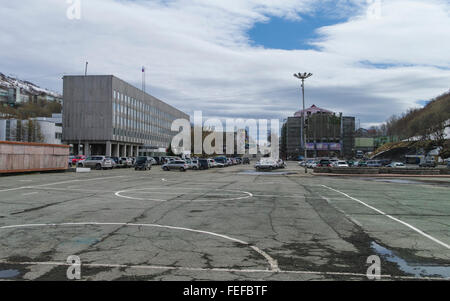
327	134
104	115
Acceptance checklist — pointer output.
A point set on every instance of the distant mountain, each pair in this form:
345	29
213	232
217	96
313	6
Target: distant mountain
7	82
425	123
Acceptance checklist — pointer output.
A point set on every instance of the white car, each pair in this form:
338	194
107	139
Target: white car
281	163
267	163
211	163
396	165
340	164
310	163
313	164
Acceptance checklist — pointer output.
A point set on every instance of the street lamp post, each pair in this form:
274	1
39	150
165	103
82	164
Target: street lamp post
302	77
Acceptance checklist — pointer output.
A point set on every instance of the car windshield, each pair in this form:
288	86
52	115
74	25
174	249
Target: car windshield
141	160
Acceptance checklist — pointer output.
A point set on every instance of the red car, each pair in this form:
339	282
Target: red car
77	159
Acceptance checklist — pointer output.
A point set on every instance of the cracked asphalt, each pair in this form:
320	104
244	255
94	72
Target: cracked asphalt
220	224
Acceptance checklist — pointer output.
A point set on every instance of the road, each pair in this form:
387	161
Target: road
222	224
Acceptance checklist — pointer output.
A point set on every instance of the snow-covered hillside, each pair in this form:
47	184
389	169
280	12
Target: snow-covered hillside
25	86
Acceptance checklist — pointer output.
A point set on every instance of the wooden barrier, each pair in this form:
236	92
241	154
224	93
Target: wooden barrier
16	157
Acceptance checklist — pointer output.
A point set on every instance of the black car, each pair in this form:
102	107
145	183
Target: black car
324	163
246	161
143	163
159	160
203	164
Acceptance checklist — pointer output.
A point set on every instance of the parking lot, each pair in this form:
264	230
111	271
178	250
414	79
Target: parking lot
222	224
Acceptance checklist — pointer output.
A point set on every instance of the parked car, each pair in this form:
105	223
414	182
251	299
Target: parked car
324	163
195	164
238	160
158	160
78	158
143	163
361	164
211	163
281	164
396	165
448	163
340	164
218	164
359	154
385	162
126	162
191	163
176	164
117	162
374	163
246	160
313	164
427	163
71	158
203	164
333	161
266	164
221	160
97	162
309	163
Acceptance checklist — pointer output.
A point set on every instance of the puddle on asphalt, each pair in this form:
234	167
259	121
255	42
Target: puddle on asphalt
9	273
408	181
417	270
266	173
397	181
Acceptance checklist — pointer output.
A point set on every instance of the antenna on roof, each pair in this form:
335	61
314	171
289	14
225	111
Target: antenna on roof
85	69
143	79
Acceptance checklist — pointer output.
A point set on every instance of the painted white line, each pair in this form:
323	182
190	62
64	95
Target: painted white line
193	269
272	262
63	182
393	218
30	193
120	194
279	196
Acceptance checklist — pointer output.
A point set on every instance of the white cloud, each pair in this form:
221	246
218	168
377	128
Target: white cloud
198	56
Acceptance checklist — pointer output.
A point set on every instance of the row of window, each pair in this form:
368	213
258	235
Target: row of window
140	135
136	109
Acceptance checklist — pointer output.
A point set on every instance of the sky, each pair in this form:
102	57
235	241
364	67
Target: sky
236	58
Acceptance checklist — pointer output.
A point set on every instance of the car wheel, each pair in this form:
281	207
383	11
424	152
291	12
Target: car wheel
165	168
98	166
182	169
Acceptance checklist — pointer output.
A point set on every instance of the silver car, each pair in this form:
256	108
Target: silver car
97	162
176	164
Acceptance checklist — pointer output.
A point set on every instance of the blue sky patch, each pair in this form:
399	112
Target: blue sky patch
285	34
423	102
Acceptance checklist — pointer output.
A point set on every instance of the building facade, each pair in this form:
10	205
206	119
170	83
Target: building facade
327	134
104	115
40	129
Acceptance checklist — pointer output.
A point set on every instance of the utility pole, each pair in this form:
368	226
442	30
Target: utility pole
302	77
85	74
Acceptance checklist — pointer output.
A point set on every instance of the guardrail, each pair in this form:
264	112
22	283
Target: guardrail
17	157
382	170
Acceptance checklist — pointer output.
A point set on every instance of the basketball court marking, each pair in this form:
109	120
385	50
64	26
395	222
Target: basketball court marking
392	218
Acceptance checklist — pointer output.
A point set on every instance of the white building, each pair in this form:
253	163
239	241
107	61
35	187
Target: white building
49	128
